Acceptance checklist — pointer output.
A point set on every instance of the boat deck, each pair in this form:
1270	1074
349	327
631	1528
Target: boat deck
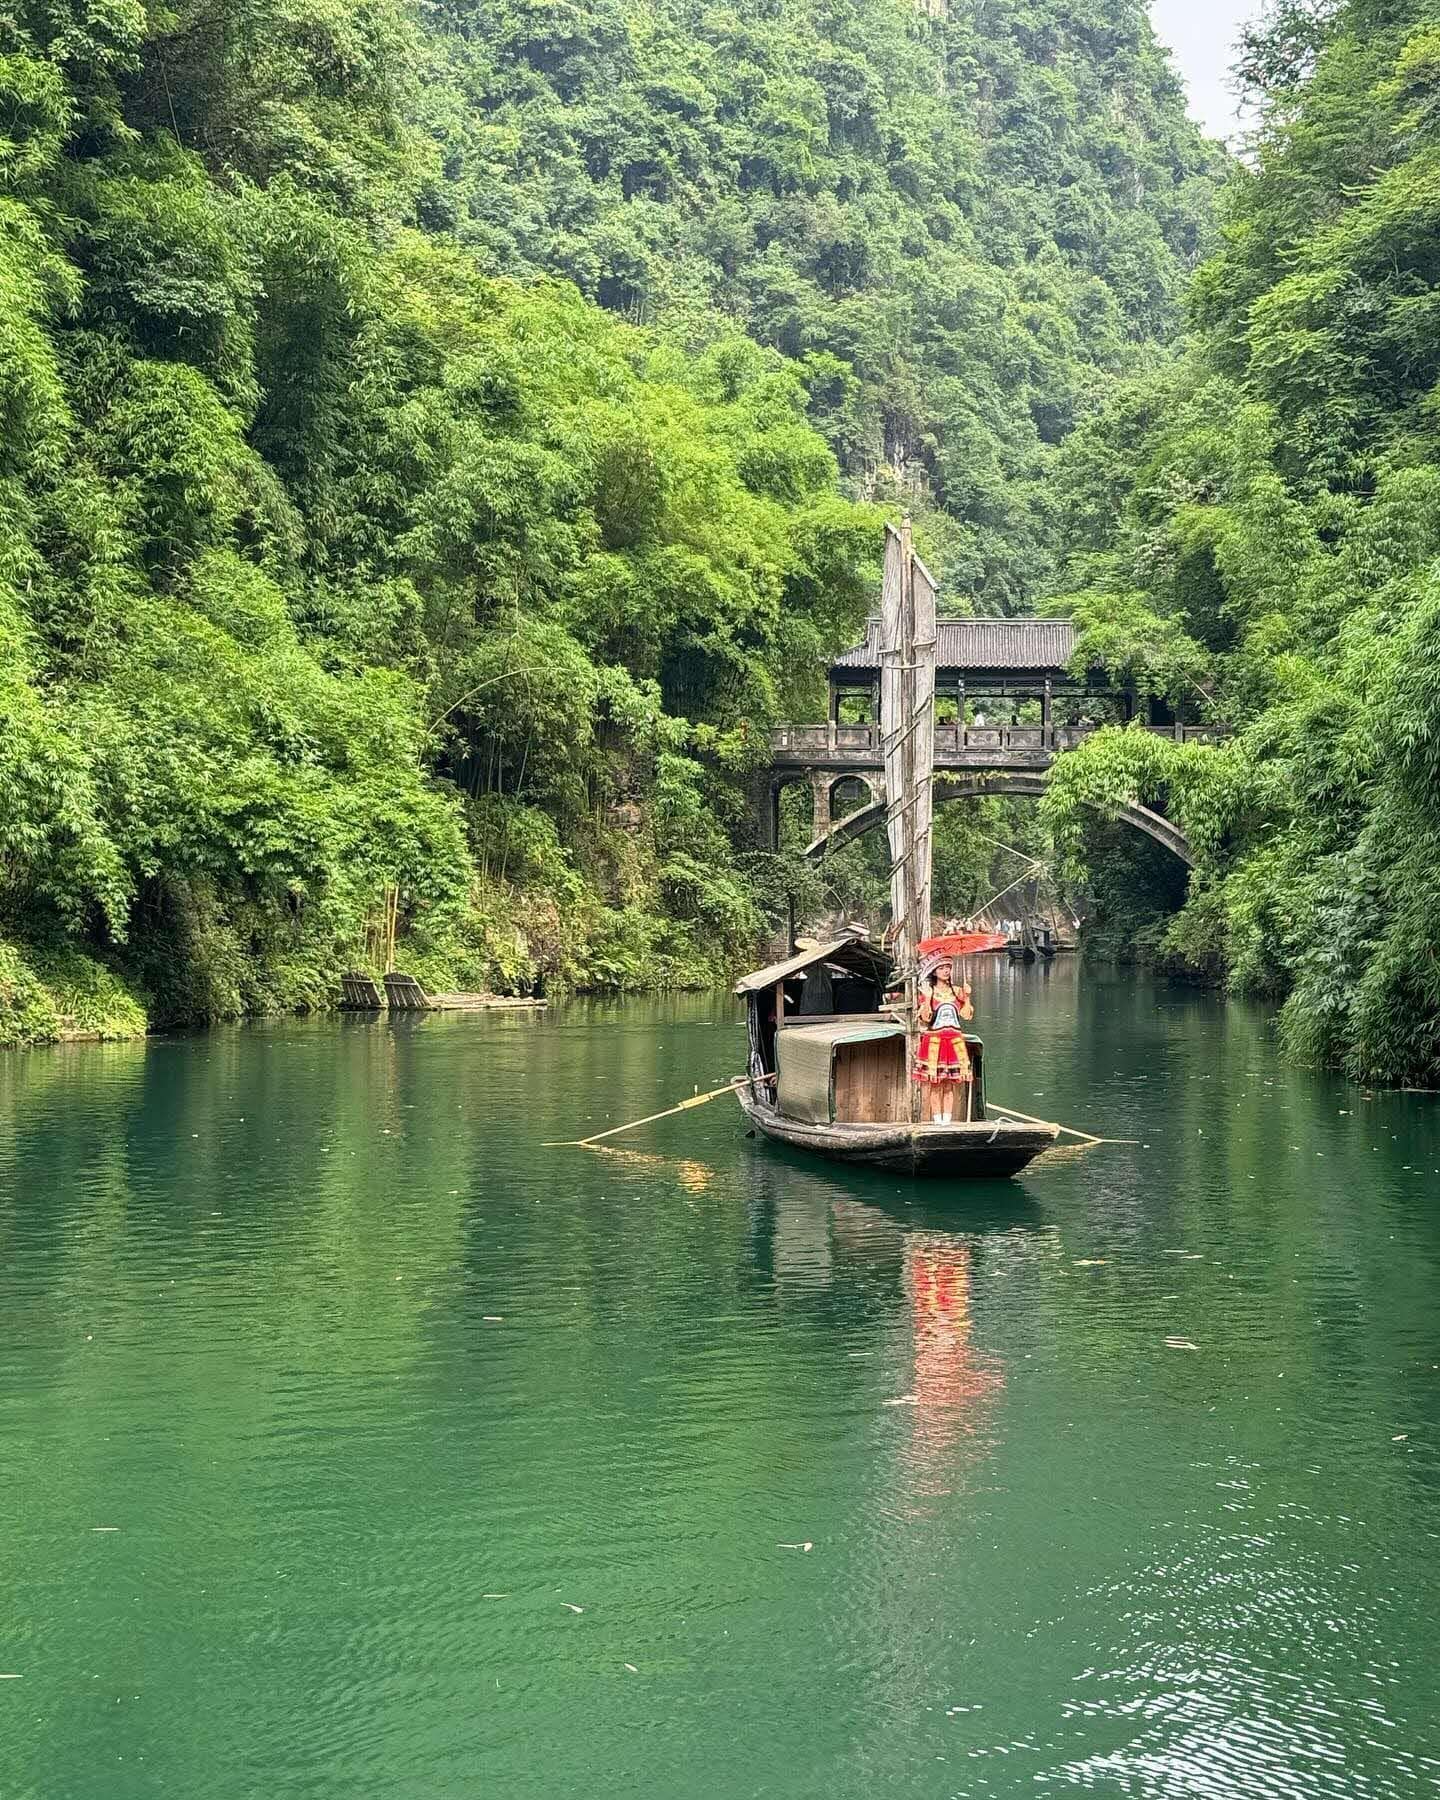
973	1148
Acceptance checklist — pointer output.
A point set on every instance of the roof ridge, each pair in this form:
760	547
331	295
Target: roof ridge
982	641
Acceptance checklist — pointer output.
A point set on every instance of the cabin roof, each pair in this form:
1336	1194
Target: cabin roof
835	1032
989	644
851	955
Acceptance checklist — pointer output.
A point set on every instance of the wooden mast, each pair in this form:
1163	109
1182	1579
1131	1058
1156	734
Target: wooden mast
907	737
922	660
894	735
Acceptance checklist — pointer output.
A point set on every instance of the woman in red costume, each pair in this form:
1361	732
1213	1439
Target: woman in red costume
942	1064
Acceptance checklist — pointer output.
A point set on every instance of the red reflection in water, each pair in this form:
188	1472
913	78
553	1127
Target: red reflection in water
955	1383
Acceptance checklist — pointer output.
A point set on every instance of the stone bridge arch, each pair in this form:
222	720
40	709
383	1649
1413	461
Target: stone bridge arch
1007	782
823	785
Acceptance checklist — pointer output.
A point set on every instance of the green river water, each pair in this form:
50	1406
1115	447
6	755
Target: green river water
352	1443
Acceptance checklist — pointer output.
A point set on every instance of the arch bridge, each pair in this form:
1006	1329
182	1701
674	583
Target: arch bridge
988	670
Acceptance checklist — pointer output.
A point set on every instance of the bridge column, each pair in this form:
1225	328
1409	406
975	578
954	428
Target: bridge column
765	801
820	792
1045	736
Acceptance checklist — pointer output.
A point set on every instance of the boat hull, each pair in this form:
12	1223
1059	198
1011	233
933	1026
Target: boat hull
980	1150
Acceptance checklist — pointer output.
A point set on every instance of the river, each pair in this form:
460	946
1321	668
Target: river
354	1443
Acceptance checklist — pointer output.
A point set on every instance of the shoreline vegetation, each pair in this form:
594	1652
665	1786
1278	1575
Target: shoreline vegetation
439	446
1257	526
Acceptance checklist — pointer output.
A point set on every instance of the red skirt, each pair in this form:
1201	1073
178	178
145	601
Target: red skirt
943	1056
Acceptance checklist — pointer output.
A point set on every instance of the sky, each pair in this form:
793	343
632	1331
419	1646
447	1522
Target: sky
1201	36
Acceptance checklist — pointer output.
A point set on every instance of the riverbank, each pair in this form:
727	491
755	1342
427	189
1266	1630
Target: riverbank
63	996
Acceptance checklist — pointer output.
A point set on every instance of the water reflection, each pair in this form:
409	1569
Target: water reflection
921	1254
693	1177
955	1381
815	1227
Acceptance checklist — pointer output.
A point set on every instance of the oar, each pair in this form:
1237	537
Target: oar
695	1100
1085	1137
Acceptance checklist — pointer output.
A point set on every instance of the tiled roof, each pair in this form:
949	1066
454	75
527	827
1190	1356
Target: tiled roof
982	644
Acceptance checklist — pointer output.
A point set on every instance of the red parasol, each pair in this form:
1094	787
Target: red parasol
959	943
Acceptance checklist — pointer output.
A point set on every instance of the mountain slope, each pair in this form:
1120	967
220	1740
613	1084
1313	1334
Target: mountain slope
351	561
960	219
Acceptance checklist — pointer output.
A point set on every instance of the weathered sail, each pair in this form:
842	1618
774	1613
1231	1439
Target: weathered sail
907	734
894	737
922	774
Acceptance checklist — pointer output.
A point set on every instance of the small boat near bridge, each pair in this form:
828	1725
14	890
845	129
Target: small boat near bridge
830	1073
850	1042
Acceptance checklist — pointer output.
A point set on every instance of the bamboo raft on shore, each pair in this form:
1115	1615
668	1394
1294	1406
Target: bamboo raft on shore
360	992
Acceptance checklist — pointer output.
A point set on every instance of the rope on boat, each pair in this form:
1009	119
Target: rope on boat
1027	876
1009	849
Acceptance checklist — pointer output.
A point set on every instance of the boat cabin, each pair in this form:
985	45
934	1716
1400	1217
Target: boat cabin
822	1048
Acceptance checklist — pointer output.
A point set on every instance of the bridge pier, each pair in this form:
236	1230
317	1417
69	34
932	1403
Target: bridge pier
820	784
768	787
766	790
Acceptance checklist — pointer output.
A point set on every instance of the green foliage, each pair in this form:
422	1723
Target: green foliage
424	442
56	992
1254	536
332	565
959	224
28	1014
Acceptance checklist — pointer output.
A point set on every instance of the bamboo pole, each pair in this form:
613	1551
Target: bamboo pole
584	1143
1069	1130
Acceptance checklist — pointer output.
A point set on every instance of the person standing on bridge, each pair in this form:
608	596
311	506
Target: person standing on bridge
942	1062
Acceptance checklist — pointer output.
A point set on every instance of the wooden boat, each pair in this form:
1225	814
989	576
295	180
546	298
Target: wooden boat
1030	941
831	1051
830	1073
